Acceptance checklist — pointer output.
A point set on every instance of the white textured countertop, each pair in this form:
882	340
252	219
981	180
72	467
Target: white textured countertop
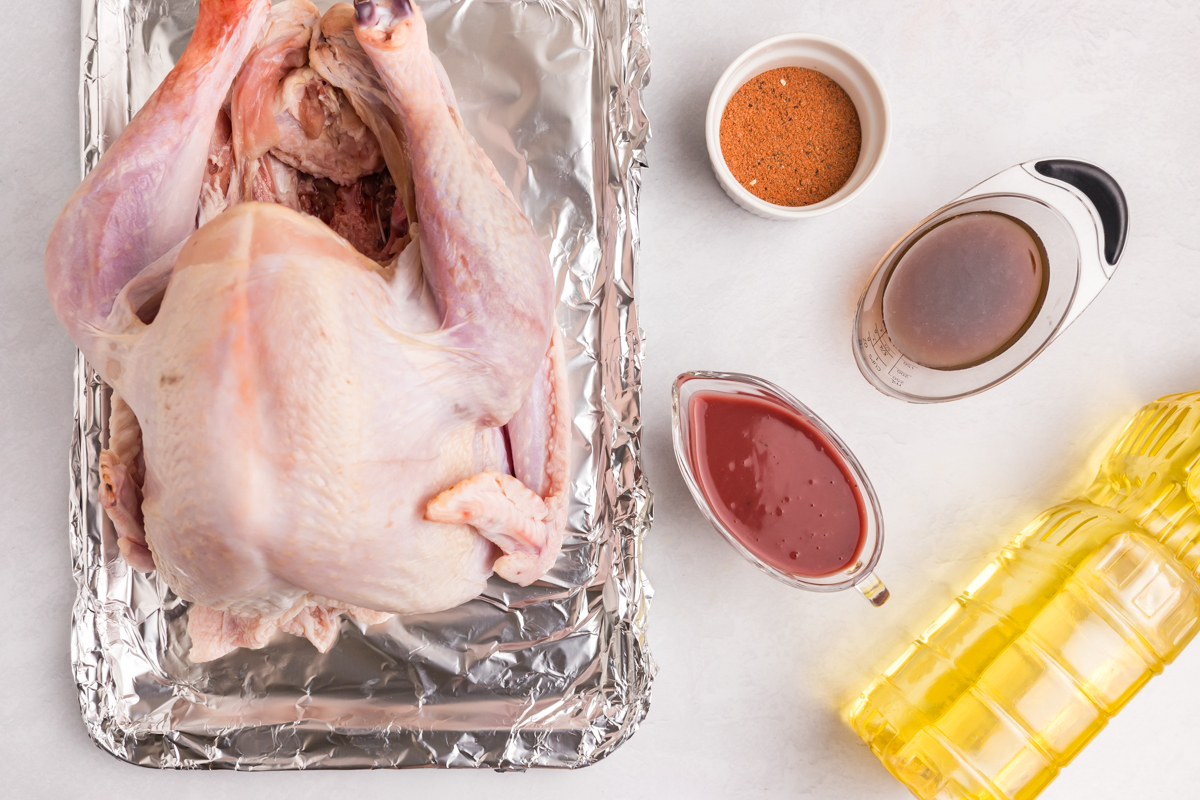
753	674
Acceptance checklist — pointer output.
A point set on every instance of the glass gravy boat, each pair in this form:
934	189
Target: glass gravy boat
859	573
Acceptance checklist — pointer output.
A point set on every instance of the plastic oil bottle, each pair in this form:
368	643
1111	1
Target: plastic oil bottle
1058	633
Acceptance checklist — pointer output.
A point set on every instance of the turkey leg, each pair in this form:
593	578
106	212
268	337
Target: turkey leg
140	200
487	269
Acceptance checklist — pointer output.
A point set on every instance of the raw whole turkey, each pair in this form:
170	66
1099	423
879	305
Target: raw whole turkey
338	384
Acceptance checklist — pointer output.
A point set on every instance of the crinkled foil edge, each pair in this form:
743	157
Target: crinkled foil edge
629	669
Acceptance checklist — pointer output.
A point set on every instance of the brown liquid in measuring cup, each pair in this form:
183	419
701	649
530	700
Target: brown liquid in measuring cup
776	483
965	291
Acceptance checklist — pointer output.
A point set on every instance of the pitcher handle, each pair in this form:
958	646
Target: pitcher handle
873	589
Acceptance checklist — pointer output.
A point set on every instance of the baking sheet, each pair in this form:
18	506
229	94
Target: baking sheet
557	674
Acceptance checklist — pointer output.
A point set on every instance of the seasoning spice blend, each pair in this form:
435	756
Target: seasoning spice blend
791	136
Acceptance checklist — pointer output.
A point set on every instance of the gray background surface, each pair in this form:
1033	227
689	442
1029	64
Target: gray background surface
753	675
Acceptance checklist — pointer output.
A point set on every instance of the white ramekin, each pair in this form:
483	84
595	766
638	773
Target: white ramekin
834	60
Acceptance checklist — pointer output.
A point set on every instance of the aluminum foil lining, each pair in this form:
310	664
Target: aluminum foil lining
553	675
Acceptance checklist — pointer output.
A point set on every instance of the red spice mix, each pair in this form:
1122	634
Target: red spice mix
791	136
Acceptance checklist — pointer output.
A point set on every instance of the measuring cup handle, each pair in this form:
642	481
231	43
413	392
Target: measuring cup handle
1105	194
873	589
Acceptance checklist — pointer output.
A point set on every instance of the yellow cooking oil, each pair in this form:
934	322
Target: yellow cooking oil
1058	633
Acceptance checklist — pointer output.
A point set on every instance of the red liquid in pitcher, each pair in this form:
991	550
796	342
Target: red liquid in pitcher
776	483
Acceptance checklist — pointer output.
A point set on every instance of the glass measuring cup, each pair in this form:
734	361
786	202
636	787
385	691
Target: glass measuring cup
858	572
1078	217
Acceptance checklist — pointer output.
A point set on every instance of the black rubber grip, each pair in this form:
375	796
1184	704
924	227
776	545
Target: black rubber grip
1105	194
